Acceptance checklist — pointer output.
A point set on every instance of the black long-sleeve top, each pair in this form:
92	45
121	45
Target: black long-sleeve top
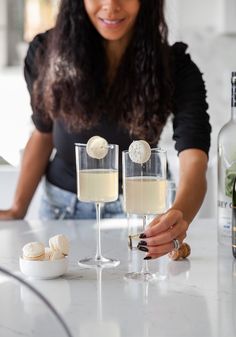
191	127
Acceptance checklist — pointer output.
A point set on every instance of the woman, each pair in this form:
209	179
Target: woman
107	69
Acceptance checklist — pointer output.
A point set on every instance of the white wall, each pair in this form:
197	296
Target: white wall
218	15
227	19
198	23
3	33
15	111
8	180
201	14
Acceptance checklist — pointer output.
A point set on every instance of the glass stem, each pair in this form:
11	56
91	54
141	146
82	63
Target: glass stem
145	269
99	293
98	215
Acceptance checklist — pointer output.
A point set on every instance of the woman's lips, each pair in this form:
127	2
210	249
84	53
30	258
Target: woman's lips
115	23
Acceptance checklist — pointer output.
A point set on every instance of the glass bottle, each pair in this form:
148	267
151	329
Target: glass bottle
226	171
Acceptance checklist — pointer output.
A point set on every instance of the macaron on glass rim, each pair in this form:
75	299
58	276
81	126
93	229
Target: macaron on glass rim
110	146
159	149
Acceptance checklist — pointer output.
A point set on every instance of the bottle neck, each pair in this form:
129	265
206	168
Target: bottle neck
233	113
233	102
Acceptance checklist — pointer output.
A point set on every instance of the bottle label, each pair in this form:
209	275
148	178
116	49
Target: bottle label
225	215
230	174
224	204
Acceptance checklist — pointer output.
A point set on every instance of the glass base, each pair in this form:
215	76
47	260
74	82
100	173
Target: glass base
93	262
139	276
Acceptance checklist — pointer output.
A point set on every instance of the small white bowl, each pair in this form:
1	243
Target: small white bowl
44	270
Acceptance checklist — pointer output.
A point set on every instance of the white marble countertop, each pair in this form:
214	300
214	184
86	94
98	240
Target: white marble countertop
197	298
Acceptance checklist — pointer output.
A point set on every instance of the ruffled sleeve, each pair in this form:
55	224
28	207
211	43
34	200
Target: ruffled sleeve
191	121
31	73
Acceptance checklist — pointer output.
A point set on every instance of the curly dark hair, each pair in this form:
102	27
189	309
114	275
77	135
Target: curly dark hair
73	83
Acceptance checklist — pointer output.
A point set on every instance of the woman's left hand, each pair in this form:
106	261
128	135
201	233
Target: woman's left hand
158	238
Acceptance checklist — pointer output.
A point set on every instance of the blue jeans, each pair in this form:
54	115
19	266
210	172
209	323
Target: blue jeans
57	203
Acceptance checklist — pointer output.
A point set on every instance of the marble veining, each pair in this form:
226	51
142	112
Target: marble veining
196	298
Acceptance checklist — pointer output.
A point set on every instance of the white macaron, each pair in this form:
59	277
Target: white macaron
139	151
97	147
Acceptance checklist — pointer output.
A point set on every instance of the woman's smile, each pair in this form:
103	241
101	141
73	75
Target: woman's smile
113	19
112	23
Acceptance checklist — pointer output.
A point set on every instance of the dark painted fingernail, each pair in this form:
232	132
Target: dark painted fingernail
142	243
148	258
143	249
142	236
130	245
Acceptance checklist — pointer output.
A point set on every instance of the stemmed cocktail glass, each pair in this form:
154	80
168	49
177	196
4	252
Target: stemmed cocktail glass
144	194
97	181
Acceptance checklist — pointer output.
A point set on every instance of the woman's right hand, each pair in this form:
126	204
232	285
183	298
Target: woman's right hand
33	165
10	214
